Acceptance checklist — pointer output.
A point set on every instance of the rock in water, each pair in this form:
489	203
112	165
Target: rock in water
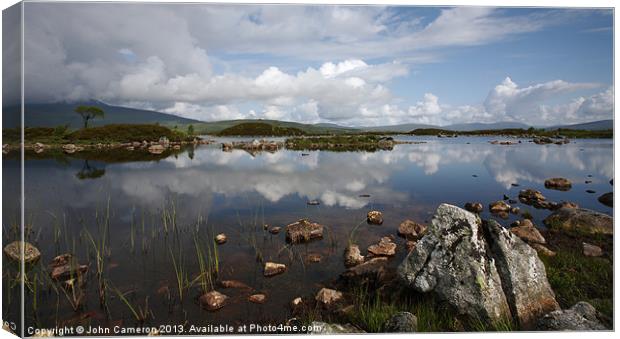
452	260
581	317
474	207
560	184
403	322
374	217
14	249
353	256
499	207
607	199
531	197
582	220
522	274
257	298
221	238
156	149
327	296
213	300
272	269
317	327
385	247
528	232
303	230
411	230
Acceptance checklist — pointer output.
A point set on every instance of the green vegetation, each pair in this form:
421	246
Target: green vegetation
361	142
101	134
575	277
260	129
89	112
570	133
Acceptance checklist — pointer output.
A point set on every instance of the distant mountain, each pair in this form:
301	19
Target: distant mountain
402	128
218	126
55	114
482	126
590	126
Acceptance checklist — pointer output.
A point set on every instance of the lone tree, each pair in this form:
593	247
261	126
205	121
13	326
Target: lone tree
190	130
89	112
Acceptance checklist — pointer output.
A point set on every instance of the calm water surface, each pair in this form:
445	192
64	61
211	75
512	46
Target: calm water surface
236	193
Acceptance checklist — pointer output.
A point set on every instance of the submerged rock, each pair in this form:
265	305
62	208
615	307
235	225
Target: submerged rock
318	327
327	296
275	230
530	196
258	298
303	230
272	269
14	251
581	317
403	322
560	184
453	262
522	274
374	217
314	257
590	250
234	284
353	256
371	271
213	300
581	220
474	207
607	199
385	247
411	230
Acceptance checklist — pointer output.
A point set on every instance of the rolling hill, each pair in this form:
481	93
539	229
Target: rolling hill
55	114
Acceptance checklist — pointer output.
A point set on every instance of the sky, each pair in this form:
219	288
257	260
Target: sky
347	65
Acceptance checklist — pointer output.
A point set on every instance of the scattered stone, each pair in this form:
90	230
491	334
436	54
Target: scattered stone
402	322
505	197
221	238
234	284
156	149
374	217
275	230
581	317
523	276
530	196
515	210
272	269
411	230
590	191
542	250
318	327
176	147
590	250
560	184
68	271
499	206
582	220
364	195
297	302
313	203
385	247
515	185
69	148
453	262
213	300
607	199
588	181
257	298
303	230
474	207
525	230
314	257
14	251
327	297
353	256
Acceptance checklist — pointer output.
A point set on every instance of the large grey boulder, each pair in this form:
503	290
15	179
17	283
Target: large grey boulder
452	260
581	317
523	276
581	220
